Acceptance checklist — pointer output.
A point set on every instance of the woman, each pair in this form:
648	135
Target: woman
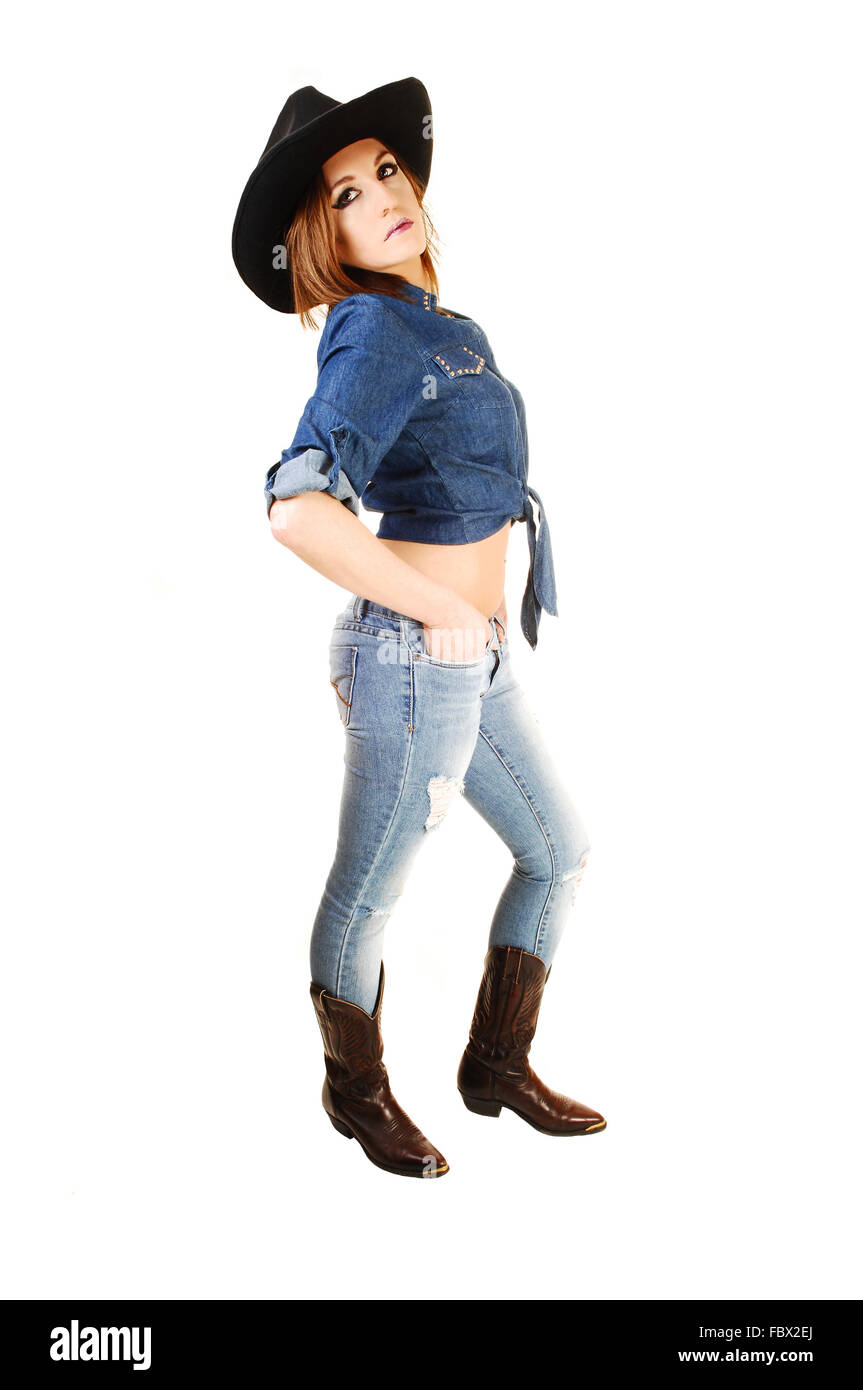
412	414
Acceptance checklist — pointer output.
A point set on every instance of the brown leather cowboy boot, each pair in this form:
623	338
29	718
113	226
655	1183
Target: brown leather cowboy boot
494	1069
356	1093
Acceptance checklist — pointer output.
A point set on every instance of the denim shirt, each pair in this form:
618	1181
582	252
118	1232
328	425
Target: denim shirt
412	414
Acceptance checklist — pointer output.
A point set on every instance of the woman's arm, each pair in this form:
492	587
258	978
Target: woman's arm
332	540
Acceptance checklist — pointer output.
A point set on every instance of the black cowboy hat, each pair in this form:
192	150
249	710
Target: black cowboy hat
311	128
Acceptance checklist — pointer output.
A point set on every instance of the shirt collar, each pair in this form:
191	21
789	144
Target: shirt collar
424	298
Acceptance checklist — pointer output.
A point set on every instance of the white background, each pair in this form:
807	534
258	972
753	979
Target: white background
655	214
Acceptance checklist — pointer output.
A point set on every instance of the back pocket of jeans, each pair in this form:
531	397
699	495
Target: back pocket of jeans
343	665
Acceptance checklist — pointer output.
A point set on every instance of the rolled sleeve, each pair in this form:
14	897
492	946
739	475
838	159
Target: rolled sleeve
311	471
370	380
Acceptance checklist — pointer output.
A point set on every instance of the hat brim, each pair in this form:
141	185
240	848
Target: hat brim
398	114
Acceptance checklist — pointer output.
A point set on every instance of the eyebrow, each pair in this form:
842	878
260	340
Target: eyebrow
348	178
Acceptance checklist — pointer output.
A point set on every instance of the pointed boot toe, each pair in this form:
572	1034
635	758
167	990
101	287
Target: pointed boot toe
563	1115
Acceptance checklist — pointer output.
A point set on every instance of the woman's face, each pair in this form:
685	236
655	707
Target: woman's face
368	196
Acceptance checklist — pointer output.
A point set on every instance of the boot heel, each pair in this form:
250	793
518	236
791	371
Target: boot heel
337	1124
481	1107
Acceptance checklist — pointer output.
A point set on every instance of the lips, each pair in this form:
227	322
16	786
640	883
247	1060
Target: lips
399	226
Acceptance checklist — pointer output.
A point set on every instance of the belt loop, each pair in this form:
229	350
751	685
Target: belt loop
405	637
357	608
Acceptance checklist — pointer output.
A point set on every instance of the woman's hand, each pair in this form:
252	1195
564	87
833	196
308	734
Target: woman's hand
464	637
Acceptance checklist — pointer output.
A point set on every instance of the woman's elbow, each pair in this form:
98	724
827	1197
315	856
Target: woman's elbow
284	518
297	521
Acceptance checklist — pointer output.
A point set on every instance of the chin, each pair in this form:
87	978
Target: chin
408	247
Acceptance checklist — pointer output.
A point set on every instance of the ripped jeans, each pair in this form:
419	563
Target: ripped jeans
420	731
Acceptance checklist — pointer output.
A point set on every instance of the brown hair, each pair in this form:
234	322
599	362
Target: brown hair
318	275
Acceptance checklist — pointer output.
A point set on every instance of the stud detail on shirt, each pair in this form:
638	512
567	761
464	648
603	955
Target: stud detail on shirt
426	305
460	371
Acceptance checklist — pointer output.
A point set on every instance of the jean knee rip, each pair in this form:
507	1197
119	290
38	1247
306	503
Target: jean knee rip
442	792
575	875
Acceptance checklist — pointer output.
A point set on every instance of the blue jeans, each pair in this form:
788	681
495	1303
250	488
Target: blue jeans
418	732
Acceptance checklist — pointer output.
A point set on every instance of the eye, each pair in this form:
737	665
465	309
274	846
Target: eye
343	201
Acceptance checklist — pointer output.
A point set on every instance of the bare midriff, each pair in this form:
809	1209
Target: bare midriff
475	571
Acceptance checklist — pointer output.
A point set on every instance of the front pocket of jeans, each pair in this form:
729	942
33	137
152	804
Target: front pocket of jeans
343	666
423	655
